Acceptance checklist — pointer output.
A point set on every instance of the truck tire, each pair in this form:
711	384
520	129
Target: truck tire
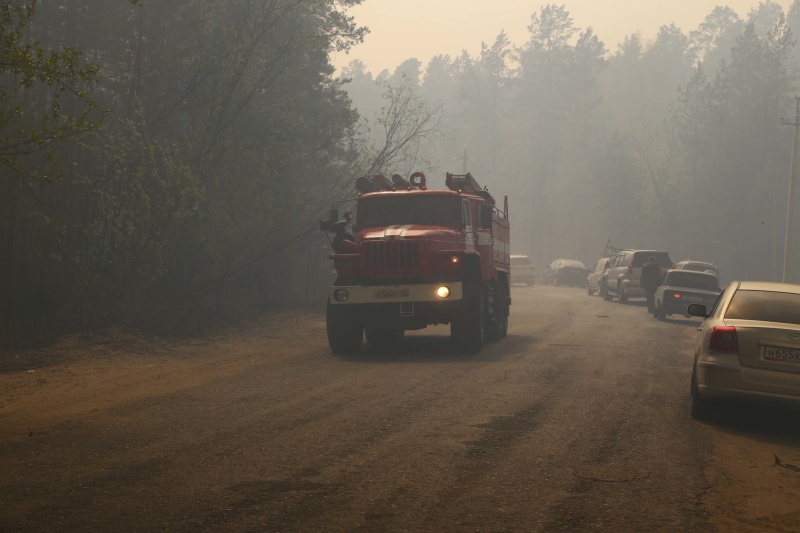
467	327
506	307
345	330
497	326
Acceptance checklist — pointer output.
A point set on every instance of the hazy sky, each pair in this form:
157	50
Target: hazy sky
402	29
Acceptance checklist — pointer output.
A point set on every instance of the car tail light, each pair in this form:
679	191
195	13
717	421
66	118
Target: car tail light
723	339
676	295
630	267
673	265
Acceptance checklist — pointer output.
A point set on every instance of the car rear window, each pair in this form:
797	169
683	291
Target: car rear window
573	264
662	258
765	306
700	267
692	280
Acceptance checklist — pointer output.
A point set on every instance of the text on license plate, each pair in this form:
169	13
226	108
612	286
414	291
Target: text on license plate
788	355
391	293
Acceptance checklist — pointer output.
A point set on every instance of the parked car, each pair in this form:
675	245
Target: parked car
596	274
680	288
522	270
748	348
566	272
622	277
700	266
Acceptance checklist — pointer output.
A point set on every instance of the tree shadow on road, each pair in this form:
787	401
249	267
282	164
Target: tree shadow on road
432	348
766	423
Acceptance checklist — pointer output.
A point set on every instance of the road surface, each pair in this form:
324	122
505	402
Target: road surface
577	421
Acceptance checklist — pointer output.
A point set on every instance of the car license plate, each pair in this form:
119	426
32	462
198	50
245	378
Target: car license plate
391	293
787	355
692	299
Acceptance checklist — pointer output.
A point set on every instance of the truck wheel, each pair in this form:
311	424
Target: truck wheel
497	326
467	328
345	331
506	313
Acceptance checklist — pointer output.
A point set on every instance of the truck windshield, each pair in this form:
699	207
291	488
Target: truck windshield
401	210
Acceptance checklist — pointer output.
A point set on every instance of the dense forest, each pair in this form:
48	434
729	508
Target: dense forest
165	164
675	143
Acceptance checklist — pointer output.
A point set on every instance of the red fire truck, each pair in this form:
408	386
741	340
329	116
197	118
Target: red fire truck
418	257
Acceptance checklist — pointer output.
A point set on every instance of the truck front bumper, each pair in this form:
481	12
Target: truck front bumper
400	306
377	294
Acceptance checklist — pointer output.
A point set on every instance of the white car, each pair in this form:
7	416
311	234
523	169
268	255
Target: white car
681	288
522	271
748	348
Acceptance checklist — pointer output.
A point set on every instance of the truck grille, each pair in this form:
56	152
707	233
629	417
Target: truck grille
388	259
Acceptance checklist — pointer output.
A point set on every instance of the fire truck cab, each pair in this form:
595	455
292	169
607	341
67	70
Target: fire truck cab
419	257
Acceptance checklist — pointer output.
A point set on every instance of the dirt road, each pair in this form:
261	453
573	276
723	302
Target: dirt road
578	421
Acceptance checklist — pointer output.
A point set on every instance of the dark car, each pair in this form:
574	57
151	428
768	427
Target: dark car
566	272
596	274
681	288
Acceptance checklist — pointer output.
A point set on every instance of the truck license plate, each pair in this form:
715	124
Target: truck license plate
391	293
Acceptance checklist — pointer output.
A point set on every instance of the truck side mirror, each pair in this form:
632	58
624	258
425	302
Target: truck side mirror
486	212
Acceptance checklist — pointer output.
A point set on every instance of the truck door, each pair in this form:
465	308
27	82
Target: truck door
484	240
466	218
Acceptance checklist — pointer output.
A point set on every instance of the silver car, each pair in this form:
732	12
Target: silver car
748	348
593	279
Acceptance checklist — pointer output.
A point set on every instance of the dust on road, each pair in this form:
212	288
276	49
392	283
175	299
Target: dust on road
577	421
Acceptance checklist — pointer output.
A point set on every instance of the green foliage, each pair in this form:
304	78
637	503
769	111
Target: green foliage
228	136
45	96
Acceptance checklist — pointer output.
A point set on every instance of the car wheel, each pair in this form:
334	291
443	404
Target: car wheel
701	409
589	290
622	296
604	292
661	313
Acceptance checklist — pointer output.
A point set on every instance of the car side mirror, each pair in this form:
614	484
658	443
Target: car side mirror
697	310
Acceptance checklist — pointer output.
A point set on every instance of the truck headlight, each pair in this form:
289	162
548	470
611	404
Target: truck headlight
443	291
341	295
